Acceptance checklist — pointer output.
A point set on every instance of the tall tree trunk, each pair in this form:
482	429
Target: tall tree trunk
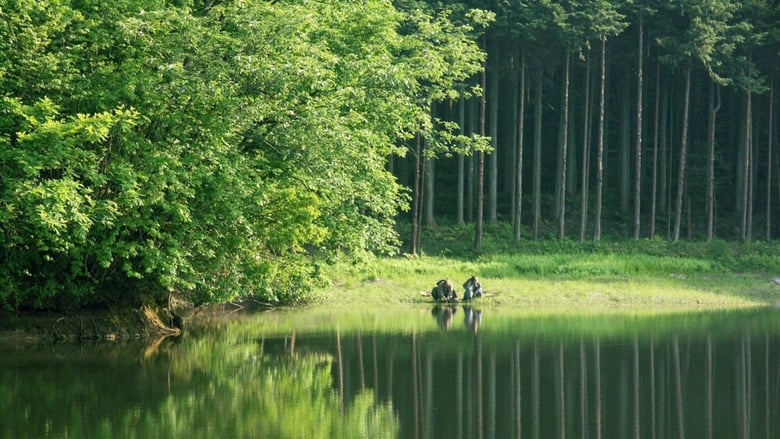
493	174
584	173
480	169
654	189
664	189
564	152
519	156
625	148
638	145
714	107
416	196
461	163
683	153
538	154
746	166
769	170
600	159
471	162
429	178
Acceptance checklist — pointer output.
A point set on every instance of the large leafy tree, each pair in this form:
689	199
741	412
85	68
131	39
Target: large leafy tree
210	148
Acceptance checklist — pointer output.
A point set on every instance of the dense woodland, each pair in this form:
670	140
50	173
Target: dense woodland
627	119
221	148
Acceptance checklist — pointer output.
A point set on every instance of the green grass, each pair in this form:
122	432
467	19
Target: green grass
563	276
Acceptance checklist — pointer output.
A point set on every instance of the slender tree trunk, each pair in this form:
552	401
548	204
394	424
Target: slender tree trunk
461	163
471	161
481	169
564	152
600	163
769	153
584	173
746	166
751	172
625	151
638	145
683	153
538	155
416	195
663	149
493	174
429	178
654	190
510	166
714	107
519	156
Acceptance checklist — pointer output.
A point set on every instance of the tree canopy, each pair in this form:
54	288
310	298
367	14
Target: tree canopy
211	148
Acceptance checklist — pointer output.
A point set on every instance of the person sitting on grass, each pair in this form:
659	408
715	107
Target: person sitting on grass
472	288
444	291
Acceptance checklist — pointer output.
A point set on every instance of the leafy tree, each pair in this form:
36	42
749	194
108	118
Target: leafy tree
210	148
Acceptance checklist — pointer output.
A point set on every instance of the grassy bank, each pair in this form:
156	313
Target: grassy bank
563	276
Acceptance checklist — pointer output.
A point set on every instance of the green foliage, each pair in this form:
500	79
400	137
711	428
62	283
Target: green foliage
148	146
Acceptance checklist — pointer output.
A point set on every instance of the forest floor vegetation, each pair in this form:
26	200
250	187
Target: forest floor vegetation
569	276
546	276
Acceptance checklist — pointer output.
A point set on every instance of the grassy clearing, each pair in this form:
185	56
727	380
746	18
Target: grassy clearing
572	277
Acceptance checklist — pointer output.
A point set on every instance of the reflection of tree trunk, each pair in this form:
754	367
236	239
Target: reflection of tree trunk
583	391
652	390
491	399
560	393
636	388
459	395
479	394
597	386
767	386
390	370
361	367
535	393
708	388
428	396
375	365
745	385
415	389
517	382
678	388
340	363
624	402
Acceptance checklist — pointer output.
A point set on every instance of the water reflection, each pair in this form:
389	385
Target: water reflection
444	316
714	375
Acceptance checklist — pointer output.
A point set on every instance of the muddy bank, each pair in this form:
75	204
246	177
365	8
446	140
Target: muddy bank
93	324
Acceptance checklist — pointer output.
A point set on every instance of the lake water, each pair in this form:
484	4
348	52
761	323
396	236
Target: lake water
419	372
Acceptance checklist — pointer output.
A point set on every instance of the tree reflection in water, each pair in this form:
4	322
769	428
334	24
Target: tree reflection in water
706	375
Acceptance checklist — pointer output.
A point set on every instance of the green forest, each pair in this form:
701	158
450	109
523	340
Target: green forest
224	148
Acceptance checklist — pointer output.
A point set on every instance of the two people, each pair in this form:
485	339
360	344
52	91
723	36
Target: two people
444	291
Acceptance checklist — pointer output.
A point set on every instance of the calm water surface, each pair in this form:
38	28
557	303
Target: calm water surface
438	372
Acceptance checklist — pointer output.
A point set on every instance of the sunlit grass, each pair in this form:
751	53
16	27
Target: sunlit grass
562	282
